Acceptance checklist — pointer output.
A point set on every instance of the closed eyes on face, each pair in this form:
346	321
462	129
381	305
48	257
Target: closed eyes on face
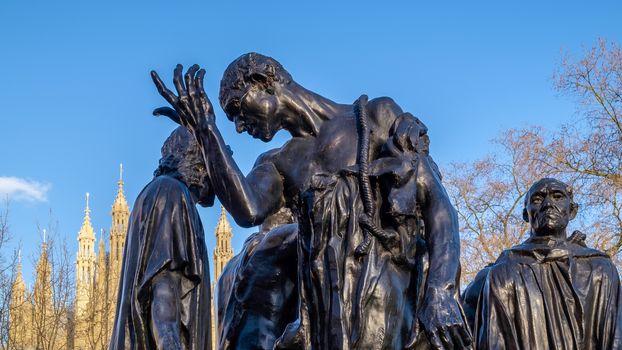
233	107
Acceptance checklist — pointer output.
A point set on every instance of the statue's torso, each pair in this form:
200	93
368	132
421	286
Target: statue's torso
334	149
327	202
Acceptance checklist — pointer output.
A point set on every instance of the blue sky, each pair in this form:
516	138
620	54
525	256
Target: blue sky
76	97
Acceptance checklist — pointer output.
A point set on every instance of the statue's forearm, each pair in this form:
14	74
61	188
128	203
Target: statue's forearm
249	200
443	238
444	247
165	312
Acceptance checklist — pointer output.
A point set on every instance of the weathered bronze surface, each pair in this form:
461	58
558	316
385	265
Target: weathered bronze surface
164	291
257	292
551	291
377	242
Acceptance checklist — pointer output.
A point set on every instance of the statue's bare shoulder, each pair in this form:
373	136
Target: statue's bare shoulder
293	161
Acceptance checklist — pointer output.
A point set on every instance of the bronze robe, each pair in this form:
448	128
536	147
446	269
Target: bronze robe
350	302
256	294
164	233
548	294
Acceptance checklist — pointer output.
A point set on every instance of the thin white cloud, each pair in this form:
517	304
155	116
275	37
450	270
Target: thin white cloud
21	189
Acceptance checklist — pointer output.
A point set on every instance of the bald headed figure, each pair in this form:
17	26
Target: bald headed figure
551	291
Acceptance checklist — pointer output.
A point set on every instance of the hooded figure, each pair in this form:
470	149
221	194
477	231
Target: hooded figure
164	292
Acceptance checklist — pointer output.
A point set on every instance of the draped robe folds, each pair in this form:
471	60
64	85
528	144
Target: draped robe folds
256	293
371	301
164	233
349	302
550	294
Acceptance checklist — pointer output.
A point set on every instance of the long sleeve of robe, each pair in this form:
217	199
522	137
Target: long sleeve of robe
550	295
164	233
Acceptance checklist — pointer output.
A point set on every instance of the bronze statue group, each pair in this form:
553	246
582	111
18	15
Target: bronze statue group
358	245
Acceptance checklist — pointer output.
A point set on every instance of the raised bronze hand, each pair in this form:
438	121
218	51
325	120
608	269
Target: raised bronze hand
191	106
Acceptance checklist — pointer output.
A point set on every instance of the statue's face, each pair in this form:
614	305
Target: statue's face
195	176
549	207
255	113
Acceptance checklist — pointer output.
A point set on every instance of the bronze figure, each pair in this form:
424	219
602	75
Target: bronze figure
551	291
164	291
377	237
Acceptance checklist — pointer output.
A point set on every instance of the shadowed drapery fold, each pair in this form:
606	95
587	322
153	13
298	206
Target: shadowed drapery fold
550	294
352	302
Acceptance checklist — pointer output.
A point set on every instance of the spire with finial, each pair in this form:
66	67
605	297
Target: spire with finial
42	291
118	232
44	244
101	249
120	203
85	260
100	276
223	251
19	267
120	218
223	224
19	279
19	310
86	230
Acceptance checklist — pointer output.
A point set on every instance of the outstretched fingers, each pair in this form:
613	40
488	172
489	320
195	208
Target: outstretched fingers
168	95
206	105
195	102
183	106
189	77
191	107
179	82
168	112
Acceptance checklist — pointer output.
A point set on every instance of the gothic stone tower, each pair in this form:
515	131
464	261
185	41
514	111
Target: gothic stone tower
34	319
20	312
85	276
98	301
118	232
223	252
97	277
44	316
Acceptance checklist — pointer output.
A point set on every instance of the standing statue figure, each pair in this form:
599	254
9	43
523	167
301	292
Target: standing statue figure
164	292
550	292
378	245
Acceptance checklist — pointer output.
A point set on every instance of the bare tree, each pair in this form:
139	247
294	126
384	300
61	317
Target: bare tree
53	293
488	195
590	149
586	153
7	274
